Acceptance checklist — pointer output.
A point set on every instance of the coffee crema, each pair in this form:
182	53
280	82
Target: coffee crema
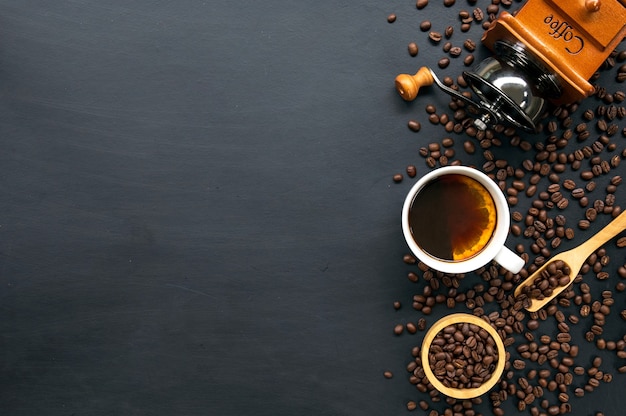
453	217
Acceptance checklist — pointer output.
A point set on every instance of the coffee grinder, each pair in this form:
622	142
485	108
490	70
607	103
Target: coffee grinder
544	53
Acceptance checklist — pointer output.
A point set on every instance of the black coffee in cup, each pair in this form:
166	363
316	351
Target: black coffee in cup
452	217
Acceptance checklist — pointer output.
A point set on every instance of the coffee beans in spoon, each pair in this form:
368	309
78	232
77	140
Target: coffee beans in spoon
555	275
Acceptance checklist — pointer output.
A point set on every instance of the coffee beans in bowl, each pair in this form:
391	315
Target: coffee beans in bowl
463	356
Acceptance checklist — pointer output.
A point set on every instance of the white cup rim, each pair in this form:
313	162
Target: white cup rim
495	244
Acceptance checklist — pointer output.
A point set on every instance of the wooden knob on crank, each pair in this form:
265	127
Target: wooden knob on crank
408	85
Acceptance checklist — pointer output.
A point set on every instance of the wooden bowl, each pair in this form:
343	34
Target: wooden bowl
455	392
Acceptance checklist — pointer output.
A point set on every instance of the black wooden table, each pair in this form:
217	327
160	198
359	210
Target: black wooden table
198	213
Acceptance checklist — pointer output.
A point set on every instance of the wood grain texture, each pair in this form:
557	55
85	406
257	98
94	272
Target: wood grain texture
196	207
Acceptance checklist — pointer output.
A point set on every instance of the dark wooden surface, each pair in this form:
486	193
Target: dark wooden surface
197	212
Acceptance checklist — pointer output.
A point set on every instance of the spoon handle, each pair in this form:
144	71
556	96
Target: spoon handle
609	231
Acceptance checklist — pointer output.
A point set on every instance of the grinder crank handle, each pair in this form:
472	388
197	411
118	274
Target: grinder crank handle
408	85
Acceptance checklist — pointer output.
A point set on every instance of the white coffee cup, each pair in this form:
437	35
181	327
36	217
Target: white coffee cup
493	250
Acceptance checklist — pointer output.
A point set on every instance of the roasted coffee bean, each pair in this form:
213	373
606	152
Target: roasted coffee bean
433	147
597	329
532	324
435	36
420	4
578	193
391	18
585	310
443	63
553	410
421	324
434	119
455	51
591	214
586	175
478	14
469	147
413	49
469	45
414	125
596	363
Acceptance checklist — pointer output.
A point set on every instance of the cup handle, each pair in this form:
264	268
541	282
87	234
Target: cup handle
509	260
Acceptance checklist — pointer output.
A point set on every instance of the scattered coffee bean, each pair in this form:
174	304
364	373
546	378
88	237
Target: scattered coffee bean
414	125
478	14
435	36
469	45
455	51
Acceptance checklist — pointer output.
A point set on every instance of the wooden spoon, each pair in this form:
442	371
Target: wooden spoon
574	258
